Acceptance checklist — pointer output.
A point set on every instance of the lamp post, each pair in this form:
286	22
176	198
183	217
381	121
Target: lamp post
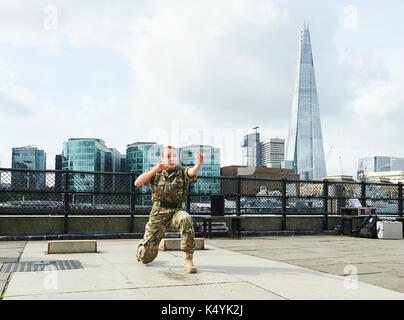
28	175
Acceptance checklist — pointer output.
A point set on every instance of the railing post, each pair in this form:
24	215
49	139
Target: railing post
363	193
188	202
325	204
66	206
132	203
400	199
238	195
283	203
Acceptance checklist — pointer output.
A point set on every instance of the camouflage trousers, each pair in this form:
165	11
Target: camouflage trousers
162	219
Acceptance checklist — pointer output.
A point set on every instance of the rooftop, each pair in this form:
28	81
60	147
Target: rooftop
264	268
96	139
140	143
31	147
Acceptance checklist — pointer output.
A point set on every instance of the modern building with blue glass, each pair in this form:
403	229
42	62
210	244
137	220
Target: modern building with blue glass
86	154
89	154
304	150
379	164
58	176
139	157
28	157
142	155
210	167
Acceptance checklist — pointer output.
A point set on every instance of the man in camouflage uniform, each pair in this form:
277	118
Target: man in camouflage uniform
169	183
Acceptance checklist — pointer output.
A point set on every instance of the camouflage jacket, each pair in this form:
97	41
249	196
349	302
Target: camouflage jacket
170	185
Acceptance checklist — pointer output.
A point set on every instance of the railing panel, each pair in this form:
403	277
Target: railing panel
25	191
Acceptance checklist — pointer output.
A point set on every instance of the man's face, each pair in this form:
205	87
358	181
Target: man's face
170	158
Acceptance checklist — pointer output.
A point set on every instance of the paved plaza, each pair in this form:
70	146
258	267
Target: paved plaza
254	268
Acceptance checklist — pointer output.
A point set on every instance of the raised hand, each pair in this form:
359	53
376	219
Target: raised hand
199	157
160	166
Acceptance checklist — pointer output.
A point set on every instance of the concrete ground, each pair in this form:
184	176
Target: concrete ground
10	251
300	267
377	261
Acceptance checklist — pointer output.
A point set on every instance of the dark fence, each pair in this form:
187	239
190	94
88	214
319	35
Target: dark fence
66	192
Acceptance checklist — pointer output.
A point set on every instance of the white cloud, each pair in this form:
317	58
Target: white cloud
378	98
372	120
222	66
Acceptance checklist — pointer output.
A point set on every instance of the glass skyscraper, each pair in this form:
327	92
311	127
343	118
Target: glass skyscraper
58	176
82	154
28	157
142	155
88	154
210	167
305	151
139	157
211	161
251	150
379	164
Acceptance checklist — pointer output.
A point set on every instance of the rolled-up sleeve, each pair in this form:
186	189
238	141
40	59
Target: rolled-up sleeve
151	180
187	176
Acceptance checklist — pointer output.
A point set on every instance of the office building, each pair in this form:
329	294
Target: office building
28	157
58	176
272	152
210	167
142	155
304	150
368	165
139	157
211	160
89	154
86	154
253	187
118	161
383	176
251	149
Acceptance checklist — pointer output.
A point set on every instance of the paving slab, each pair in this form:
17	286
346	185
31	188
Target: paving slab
378	259
114	273
4	276
339	269
9	252
384	280
225	291
12	244
2	283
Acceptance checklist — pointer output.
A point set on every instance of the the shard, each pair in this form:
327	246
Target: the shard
304	151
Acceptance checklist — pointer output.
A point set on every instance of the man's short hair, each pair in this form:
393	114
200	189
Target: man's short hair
167	148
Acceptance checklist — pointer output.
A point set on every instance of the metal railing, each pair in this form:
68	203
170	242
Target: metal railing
64	192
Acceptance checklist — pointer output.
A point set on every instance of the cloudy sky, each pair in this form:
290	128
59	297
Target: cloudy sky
181	72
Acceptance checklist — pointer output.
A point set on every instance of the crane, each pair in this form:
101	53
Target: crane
328	154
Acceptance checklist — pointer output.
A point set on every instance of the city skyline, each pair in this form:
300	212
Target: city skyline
95	69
